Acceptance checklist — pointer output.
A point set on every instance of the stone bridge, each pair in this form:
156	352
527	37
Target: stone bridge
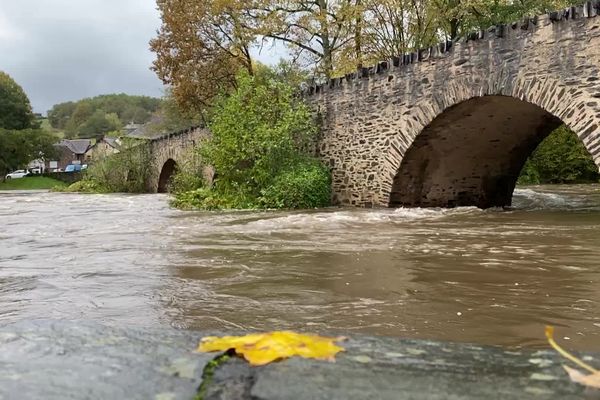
169	151
454	124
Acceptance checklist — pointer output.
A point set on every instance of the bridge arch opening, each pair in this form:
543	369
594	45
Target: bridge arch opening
471	154
166	175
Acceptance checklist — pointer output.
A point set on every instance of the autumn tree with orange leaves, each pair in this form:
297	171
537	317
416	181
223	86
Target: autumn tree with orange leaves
200	47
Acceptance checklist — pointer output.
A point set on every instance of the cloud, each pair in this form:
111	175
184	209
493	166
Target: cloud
7	30
61	50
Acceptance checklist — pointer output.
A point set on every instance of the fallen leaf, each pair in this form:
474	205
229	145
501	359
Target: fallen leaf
264	348
592	380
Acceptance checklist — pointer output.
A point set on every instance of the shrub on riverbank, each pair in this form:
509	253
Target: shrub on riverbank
260	151
82	186
305	185
124	172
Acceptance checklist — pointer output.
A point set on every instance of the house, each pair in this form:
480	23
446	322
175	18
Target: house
70	152
103	147
131	127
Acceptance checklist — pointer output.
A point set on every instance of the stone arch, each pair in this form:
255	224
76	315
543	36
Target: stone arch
370	119
166	174
471	142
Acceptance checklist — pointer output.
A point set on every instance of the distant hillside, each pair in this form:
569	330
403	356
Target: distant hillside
92	117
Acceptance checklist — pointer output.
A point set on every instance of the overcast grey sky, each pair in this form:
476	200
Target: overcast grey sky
60	50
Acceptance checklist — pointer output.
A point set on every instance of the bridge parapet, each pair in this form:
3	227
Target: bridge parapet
589	9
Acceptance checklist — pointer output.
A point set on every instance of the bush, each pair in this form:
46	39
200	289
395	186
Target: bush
124	172
83	186
306	185
190	174
209	199
260	151
257	132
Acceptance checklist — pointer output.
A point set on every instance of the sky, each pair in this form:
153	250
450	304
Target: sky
62	50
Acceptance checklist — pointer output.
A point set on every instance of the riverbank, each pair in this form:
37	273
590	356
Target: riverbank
58	360
31	183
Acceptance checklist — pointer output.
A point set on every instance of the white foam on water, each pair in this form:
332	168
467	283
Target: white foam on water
347	218
531	199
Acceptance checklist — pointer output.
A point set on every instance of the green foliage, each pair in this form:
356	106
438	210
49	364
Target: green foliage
189	175
208	199
83	186
99	115
15	109
305	185
261	136
99	124
560	158
171	118
20	139
124	172
257	132
19	147
481	14
60	114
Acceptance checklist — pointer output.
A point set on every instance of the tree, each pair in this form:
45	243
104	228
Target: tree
60	114
560	158
394	27
19	147
320	31
170	117
261	134
200	47
99	124
15	108
98	115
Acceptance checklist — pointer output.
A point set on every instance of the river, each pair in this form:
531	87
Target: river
488	277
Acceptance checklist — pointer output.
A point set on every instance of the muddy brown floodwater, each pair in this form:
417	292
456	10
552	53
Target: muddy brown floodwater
490	277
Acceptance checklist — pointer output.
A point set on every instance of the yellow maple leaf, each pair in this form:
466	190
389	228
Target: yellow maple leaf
592	380
264	348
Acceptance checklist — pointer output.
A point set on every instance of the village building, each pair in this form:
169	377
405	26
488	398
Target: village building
103	147
70	151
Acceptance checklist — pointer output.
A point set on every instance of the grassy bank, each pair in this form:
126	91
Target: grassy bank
31	183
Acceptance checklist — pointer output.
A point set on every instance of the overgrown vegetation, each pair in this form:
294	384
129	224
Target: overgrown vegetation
260	151
560	158
124	172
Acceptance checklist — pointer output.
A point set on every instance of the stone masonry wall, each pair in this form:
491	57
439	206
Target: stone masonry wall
372	118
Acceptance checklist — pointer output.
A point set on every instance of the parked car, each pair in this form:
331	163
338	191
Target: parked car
20	173
36	170
75	167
